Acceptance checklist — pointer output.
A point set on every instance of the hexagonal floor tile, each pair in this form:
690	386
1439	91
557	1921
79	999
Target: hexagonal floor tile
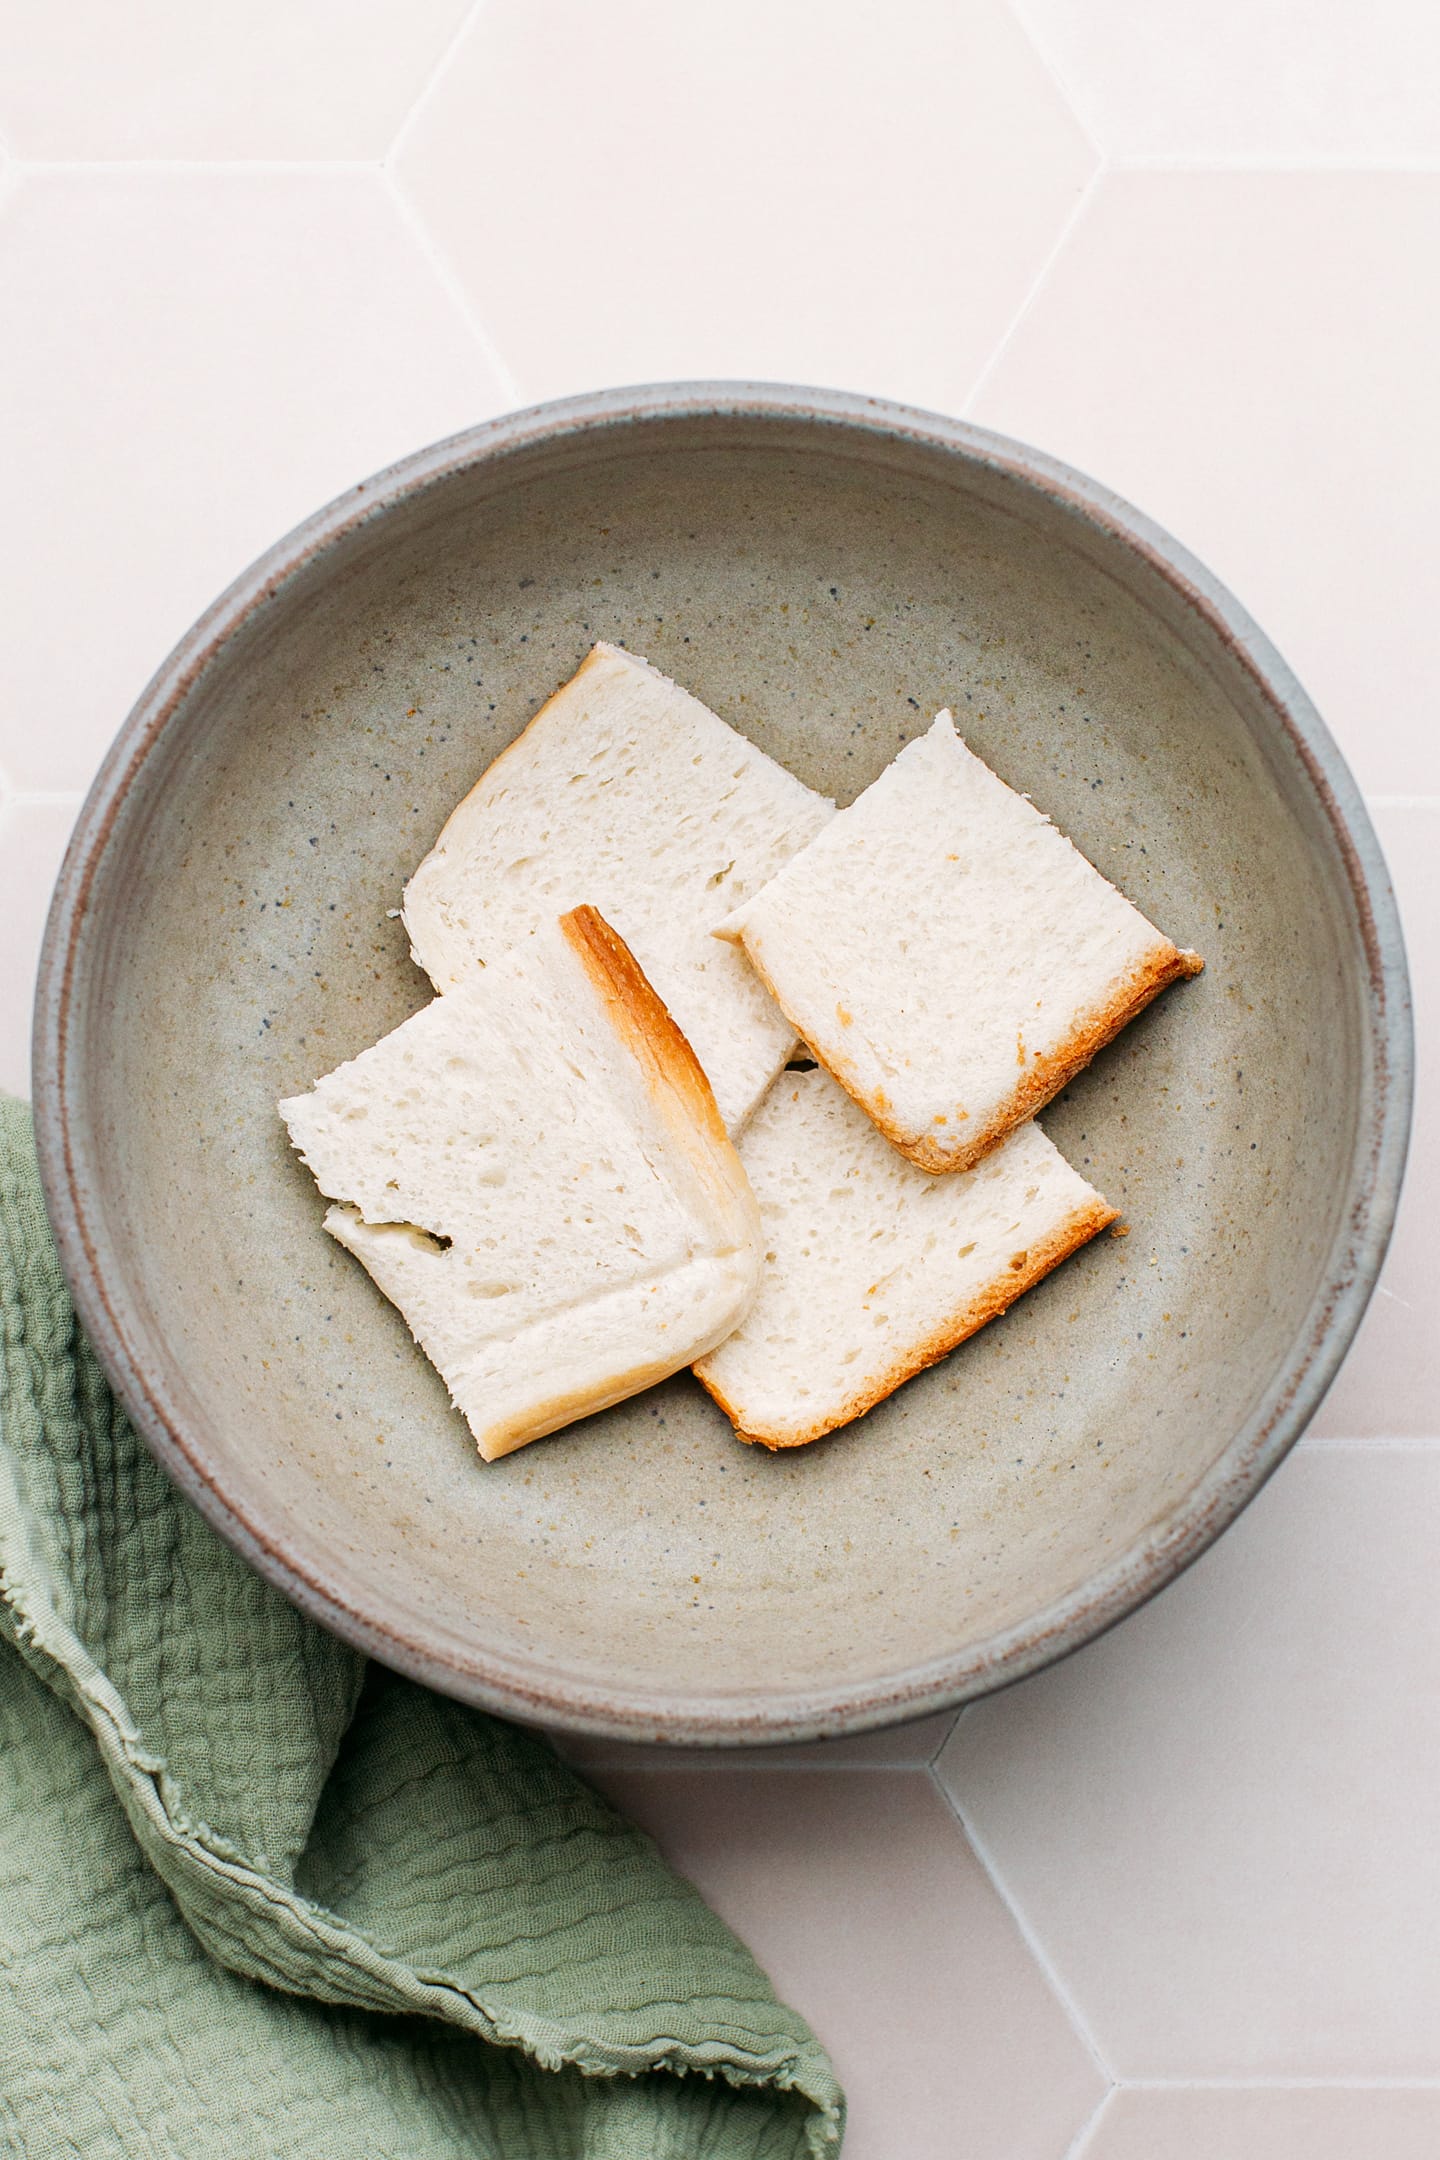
189	364
863	1901
231	79
1247	78
1390	1384
32	841
1219	1820
807	193
1251	358
1319	2123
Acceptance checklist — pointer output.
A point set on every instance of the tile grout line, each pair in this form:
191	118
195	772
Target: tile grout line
1272	161
263	167
1369	1444
1280	2084
955	1718
1080	2144
1036	286
1052	70
1031	1940
420	233
427	89
453	287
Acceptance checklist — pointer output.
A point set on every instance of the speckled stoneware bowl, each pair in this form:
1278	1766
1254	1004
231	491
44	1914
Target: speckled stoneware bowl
825	571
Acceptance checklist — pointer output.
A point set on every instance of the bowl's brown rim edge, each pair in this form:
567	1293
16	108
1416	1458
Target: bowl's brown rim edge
531	1691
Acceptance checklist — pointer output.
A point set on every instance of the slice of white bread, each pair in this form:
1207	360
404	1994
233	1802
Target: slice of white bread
626	792
874	1269
533	1169
949	955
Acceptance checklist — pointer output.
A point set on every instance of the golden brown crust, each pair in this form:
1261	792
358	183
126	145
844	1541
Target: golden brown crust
640	1018
996	1299
678	1088
1042	1081
557	1411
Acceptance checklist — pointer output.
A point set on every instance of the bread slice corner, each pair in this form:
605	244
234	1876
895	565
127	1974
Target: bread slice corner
874	1269
948	955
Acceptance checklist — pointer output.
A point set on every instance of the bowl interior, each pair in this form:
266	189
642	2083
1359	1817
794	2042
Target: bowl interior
826	591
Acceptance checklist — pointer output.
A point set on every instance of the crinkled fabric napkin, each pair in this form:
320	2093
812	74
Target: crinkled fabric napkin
257	1899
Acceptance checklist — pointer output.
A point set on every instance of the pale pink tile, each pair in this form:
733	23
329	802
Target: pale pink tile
898	1747
833	194
1390	1383
189	364
862	1900
1321	2123
1219	1820
1251	358
223	79
32	841
1247	78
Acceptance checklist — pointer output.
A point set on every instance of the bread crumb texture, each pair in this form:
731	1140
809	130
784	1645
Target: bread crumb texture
979	960
627	794
873	1268
514	1178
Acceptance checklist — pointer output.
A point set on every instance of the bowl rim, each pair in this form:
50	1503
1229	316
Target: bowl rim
532	1690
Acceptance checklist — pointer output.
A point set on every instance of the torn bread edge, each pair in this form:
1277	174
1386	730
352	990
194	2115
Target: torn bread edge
591	1366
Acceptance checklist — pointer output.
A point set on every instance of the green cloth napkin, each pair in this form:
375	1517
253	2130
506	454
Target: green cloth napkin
461	1949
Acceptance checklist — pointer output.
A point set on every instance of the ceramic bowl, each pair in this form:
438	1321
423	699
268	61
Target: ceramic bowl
825	571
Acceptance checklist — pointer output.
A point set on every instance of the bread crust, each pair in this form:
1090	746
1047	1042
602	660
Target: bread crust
674	1077
1041	1082
996	1299
556	1367
558	1411
504	1435
641	1020
460	818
